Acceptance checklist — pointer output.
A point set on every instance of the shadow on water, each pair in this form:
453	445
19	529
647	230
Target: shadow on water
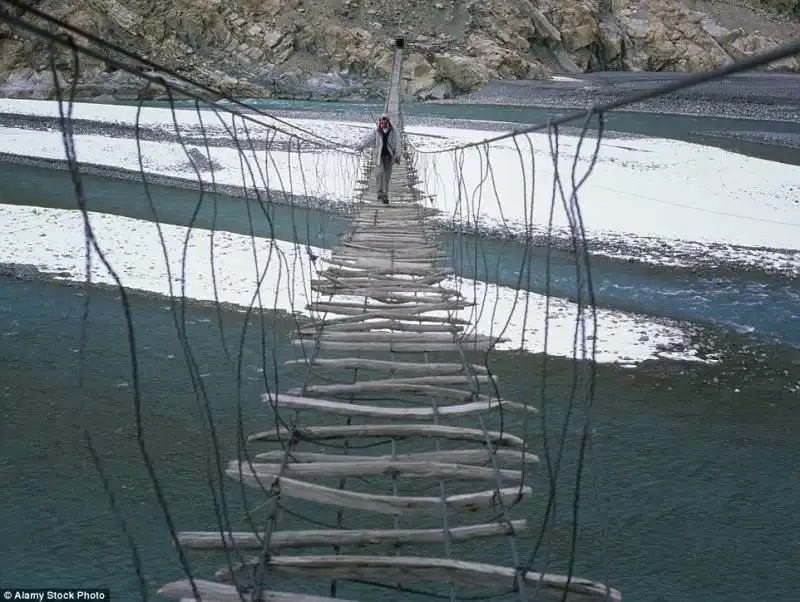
746	303
688	495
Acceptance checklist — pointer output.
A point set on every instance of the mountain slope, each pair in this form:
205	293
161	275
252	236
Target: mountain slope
340	48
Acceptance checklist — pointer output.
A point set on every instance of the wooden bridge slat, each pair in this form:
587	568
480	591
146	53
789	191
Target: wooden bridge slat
220	592
375	468
420	347
357	363
390	430
459	456
245	541
392	569
382	325
395	505
350	409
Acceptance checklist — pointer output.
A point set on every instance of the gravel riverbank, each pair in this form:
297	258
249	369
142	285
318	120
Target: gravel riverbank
764	96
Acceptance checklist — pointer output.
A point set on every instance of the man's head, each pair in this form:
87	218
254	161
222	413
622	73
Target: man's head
384	121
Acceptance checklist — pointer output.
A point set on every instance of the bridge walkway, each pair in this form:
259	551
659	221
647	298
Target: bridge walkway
388	366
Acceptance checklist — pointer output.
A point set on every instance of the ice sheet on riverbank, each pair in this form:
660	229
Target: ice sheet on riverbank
53	241
658	201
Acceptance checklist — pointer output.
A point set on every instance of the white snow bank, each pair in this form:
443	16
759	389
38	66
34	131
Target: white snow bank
53	240
652	189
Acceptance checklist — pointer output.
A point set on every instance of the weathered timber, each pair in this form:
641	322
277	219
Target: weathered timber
247	541
414	307
396	505
391	315
389	311
459	456
401	386
408	337
355	363
405	286
342	255
428	250
369	411
376	468
386	264
334	272
210	591
395	385
450	379
420	347
392	569
378	278
381	325
411	294
455	433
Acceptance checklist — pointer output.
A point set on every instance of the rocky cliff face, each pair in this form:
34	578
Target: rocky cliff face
341	48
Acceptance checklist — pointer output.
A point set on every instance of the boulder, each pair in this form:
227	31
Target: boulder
503	63
419	75
743	46
669	37
271	38
465	73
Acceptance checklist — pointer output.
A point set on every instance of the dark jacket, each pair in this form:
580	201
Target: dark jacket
374	137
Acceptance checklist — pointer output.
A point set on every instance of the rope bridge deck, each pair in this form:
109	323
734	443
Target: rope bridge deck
391	312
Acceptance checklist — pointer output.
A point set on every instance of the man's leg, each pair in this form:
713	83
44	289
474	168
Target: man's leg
379	177
387	176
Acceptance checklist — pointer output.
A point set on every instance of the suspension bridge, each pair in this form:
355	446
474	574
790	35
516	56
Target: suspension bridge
396	446
384	315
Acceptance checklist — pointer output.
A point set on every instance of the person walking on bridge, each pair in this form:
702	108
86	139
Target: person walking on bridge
387	155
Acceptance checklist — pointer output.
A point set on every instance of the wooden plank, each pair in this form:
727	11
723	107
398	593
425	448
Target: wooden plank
391	231
394	505
409	294
220	592
340	253
381	325
377	468
247	541
382	234
408	337
414	307
369	411
395	347
397	385
395	569
335	275
459	456
356	363
423	250
393	315
454	433
395	267
450	379
404	286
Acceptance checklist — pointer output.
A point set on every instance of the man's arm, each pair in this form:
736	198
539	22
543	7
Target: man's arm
395	140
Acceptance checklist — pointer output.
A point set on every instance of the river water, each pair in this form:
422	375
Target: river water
692	491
